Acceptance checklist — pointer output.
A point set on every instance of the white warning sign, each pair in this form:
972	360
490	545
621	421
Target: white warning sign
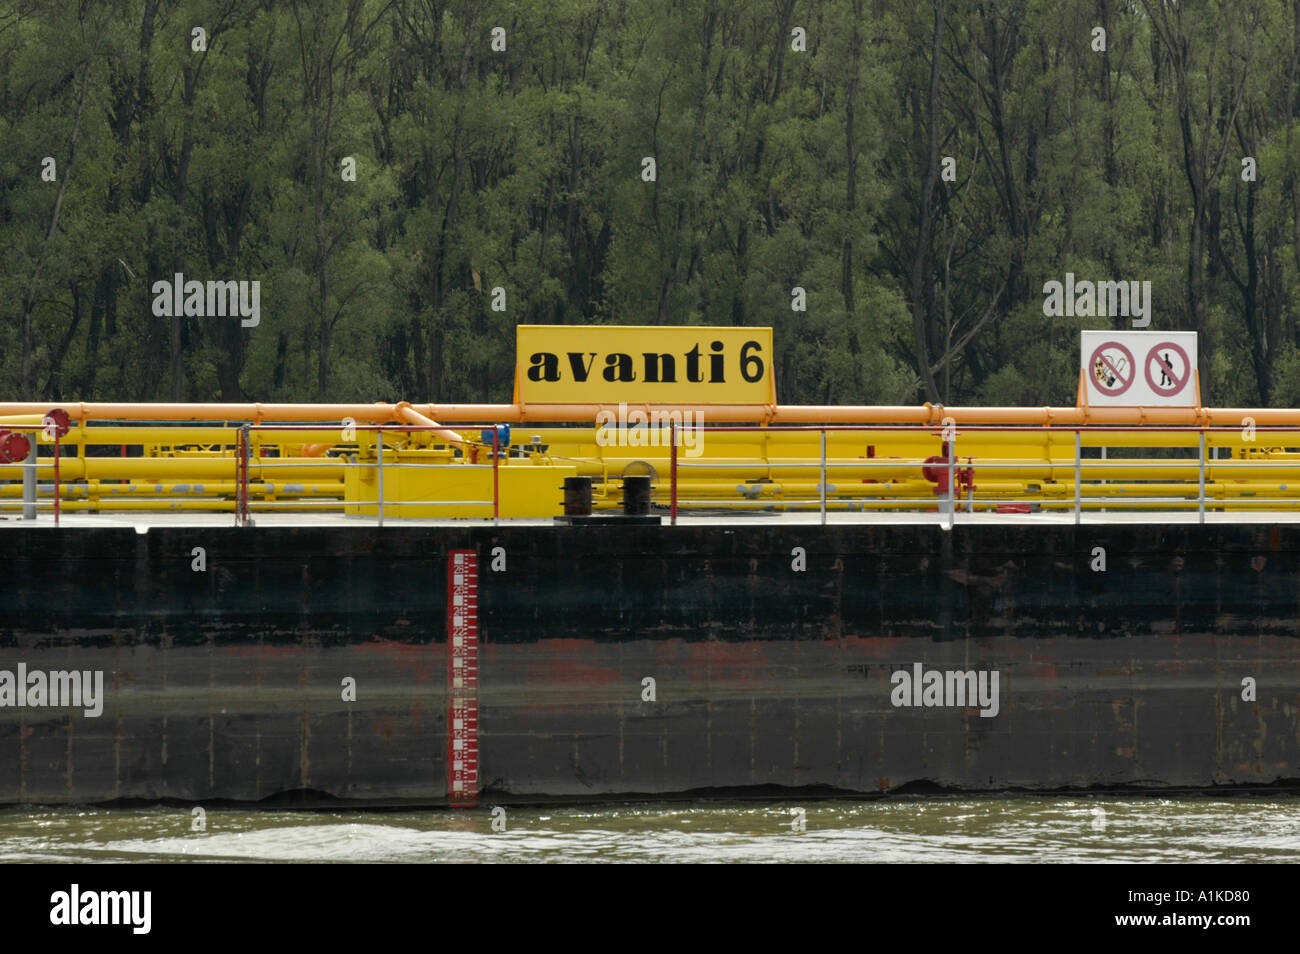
1139	368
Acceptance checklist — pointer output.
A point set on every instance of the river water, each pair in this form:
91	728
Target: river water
928	829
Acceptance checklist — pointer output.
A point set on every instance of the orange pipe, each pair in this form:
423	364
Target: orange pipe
411	416
426	415
256	413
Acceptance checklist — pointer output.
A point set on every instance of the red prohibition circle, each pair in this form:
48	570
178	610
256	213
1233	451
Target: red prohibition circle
1121	384
1154	356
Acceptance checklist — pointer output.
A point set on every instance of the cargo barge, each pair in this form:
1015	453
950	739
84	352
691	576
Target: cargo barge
232	682
384	605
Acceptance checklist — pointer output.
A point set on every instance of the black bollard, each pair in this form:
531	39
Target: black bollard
636	496
577	496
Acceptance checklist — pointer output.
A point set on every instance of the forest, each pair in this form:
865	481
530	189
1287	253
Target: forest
889	184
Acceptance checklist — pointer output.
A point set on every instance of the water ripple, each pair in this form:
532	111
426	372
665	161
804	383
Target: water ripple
970	830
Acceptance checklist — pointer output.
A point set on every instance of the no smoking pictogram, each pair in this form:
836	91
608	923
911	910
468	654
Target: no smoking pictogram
1112	369
1168	369
1138	368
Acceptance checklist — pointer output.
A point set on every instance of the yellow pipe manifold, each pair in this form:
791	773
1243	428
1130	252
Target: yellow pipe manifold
1035	461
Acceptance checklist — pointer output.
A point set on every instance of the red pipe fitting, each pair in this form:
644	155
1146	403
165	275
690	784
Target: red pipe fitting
936	472
14	447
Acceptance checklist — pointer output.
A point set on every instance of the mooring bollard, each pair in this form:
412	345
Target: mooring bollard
577	496
636	496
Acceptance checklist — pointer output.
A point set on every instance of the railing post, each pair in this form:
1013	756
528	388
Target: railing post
29	479
1103	457
239	476
496	484
952	482
1078	475
672	437
56	477
241	497
1200	490
822	491
379	453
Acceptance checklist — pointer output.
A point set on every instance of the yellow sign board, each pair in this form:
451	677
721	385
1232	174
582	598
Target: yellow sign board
607	364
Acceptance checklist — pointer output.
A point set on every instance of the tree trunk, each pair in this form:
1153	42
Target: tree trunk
921	276
28	369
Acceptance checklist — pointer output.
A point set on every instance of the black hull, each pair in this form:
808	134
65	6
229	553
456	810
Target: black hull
225	684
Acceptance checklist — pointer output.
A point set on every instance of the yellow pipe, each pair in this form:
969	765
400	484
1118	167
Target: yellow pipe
65	503
803	488
905	502
203	466
198	488
310	506
880	469
912	488
769	414
174	468
156	436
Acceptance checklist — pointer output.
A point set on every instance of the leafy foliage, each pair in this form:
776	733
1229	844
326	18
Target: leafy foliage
521	168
